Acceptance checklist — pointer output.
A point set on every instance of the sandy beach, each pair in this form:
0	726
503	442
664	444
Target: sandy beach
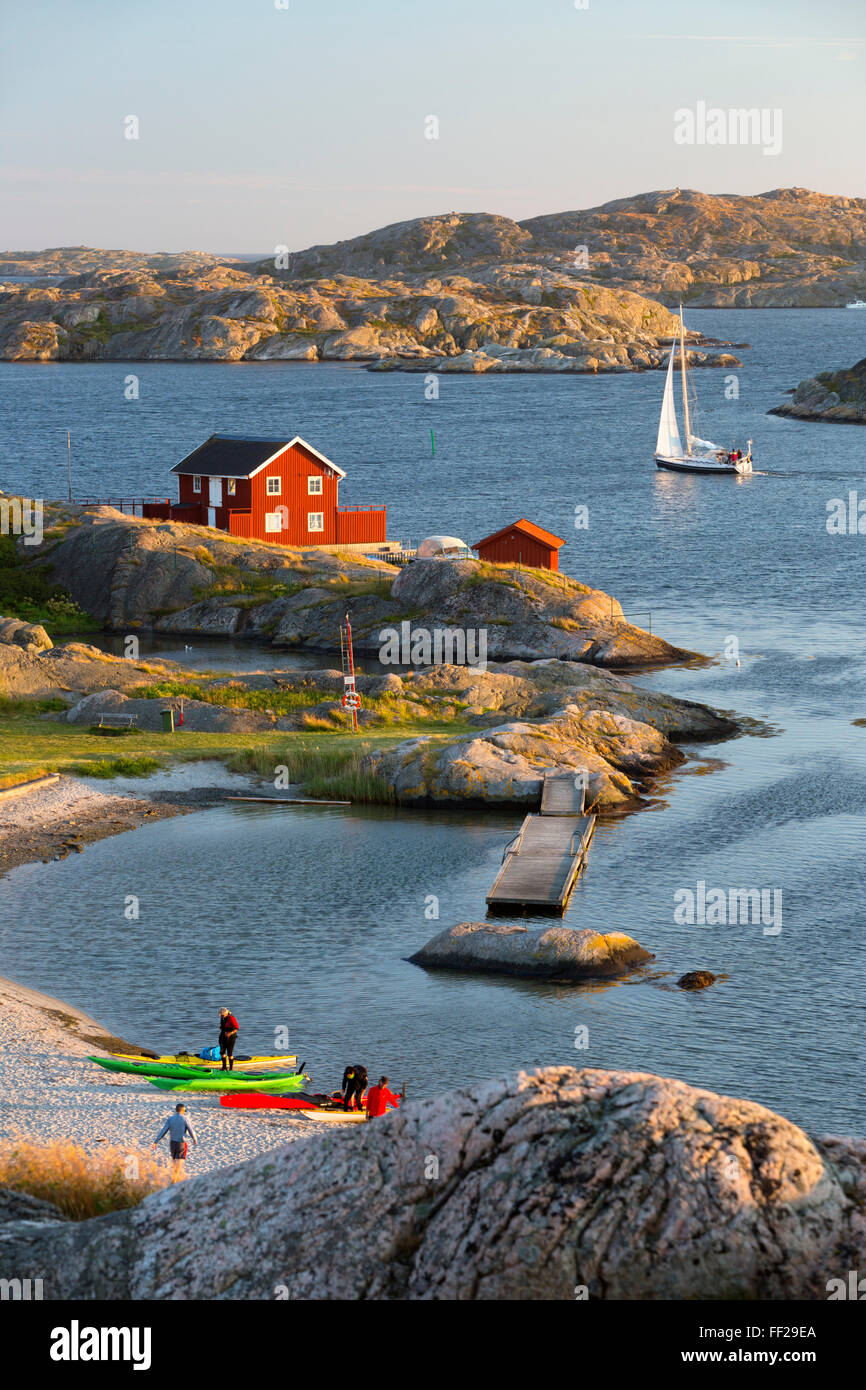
49	1090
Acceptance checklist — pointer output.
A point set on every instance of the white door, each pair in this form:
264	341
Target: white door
215	499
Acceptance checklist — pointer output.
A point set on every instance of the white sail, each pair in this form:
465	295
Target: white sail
686	419
668	442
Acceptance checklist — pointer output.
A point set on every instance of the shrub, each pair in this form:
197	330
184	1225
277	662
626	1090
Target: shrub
81	1184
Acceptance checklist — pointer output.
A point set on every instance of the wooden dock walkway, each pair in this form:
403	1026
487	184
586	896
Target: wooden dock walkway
541	864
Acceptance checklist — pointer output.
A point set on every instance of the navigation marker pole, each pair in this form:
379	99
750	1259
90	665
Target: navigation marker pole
351	698
433	443
69	462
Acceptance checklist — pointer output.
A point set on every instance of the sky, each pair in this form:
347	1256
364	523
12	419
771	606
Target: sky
267	123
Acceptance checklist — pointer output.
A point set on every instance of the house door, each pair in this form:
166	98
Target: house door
215	499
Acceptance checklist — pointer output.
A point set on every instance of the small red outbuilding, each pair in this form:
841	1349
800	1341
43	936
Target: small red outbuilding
522	543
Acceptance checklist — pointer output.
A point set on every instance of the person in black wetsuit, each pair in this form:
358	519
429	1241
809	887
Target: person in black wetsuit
353	1087
228	1038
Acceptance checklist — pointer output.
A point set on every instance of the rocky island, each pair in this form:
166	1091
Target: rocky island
547	697
836	397
584	291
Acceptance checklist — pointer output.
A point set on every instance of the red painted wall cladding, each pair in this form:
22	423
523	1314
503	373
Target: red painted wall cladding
361	524
298	507
519	549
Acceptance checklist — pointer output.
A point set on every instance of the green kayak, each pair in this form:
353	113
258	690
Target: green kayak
174	1071
230	1081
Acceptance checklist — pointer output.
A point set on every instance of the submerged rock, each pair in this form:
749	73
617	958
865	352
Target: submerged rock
618	1184
557	952
697	979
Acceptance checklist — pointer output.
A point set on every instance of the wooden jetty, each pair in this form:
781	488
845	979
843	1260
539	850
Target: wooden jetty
541	864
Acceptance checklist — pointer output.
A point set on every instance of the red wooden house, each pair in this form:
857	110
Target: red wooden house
268	490
523	543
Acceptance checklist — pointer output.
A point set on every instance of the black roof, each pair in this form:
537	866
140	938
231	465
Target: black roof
229	456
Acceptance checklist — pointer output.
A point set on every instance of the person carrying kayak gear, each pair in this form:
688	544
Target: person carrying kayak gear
379	1098
228	1036
353	1087
177	1127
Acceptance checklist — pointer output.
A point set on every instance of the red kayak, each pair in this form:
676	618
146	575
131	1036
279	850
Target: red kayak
260	1100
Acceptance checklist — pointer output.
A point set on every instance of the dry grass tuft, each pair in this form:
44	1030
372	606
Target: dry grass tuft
82	1184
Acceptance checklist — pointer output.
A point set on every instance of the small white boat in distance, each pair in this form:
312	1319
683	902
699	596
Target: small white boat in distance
856	304
698	455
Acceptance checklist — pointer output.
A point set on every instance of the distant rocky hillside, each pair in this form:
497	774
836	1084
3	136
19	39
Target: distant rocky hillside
82	260
786	248
513	318
837	397
464	292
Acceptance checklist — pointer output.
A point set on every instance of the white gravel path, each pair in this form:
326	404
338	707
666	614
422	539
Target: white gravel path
48	1090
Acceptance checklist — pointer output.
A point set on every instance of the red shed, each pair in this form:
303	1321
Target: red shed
522	543
269	490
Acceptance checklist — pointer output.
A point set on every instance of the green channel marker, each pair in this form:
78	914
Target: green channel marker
433	443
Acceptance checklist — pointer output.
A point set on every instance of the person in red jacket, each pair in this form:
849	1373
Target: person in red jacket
379	1098
228	1038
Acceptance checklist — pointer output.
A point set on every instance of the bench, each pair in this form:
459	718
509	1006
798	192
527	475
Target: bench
114	724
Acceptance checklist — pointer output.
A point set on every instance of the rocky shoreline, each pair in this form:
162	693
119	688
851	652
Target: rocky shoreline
837	398
177	578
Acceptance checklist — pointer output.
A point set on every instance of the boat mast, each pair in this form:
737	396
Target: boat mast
686	420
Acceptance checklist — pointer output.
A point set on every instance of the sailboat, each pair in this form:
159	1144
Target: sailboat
698	455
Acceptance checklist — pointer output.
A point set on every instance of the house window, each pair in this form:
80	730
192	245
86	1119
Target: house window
316	521
231	486
274	520
314	484
196	483
274	485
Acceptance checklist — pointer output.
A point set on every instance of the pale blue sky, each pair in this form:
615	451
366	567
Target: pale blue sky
262	126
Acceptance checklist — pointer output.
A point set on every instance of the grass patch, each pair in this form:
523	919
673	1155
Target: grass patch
235	695
115	767
335	773
82	1185
30	745
11	706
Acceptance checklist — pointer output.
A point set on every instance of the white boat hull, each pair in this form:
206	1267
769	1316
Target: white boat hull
685	465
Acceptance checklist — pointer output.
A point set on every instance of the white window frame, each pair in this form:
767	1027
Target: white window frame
273	522
196	482
315	486
315	517
231	487
275	486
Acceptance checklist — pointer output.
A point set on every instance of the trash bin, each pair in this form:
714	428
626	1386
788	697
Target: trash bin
167	721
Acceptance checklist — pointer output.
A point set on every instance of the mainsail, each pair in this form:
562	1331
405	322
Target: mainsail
668	442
